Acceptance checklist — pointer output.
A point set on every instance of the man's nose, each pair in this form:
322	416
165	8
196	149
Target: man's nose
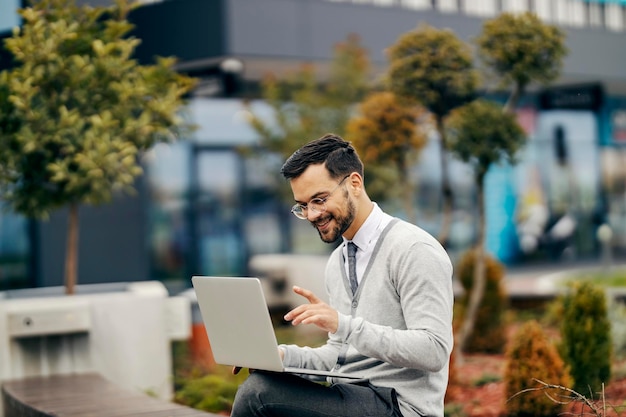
312	215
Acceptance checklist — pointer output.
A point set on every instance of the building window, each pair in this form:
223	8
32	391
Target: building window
14	252
561	12
614	17
577	13
169	179
543	10
515	6
482	7
417	4
8	14
596	15
447	5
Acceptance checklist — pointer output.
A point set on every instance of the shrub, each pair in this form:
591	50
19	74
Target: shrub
586	337
531	356
214	392
489	335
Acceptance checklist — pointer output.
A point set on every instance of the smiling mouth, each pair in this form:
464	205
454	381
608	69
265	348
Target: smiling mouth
322	224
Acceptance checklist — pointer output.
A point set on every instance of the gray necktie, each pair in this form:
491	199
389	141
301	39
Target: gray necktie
352	266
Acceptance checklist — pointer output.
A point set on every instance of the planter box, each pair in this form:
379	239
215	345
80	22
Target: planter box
121	331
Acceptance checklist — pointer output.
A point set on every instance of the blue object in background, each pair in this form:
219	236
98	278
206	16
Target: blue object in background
501	238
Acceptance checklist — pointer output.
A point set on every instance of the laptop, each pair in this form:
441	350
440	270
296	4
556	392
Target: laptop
239	327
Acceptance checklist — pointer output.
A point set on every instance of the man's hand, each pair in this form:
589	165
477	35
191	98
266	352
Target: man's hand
316	312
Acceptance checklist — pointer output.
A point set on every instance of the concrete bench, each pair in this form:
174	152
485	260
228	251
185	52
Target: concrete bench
84	395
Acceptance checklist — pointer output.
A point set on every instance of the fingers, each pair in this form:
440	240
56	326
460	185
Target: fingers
320	315
316	312
306	294
299	314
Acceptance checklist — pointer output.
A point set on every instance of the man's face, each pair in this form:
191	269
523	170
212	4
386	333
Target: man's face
315	182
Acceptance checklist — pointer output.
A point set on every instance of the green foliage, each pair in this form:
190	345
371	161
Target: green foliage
485	379
489	335
432	67
586	337
454	410
531	356
519	48
386	132
81	109
196	386
481	134
306	108
213	393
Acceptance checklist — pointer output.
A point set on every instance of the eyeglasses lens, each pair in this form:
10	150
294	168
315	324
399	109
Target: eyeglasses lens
317	205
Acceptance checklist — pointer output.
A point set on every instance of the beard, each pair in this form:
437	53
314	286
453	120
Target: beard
342	223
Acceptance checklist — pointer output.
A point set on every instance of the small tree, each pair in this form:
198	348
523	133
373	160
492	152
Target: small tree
306	106
81	111
434	68
586	337
481	135
519	49
388	133
530	357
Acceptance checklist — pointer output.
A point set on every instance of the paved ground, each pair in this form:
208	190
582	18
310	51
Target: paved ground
542	279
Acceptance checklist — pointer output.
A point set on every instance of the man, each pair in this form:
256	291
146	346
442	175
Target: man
392	323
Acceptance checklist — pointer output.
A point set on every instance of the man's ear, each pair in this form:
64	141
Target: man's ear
356	183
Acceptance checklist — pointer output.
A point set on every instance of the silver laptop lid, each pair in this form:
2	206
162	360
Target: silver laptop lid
237	322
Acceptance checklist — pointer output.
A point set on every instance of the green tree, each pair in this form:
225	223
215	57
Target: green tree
306	106
386	132
434	68
81	111
586	337
481	134
519	49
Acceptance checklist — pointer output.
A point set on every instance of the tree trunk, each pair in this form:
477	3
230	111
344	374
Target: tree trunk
409	204
480	279
71	250
513	100
408	196
446	189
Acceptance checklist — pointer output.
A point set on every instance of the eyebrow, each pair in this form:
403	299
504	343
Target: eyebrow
316	195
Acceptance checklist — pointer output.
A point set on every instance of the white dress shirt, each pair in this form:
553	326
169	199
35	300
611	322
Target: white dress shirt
365	239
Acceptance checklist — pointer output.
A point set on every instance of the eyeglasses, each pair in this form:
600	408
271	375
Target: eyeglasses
316	205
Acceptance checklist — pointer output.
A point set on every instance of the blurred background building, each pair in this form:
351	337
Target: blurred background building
206	207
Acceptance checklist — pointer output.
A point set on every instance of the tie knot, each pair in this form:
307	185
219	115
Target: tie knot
351	249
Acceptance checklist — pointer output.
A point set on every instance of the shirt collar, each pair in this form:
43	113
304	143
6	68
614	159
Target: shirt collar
369	229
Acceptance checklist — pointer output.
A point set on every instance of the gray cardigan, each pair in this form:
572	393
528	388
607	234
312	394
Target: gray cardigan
397	329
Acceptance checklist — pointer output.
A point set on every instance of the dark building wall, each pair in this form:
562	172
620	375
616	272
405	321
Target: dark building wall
113	243
188	30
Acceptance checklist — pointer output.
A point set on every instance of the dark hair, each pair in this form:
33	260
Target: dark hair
339	157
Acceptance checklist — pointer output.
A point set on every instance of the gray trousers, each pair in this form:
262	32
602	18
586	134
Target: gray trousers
269	394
